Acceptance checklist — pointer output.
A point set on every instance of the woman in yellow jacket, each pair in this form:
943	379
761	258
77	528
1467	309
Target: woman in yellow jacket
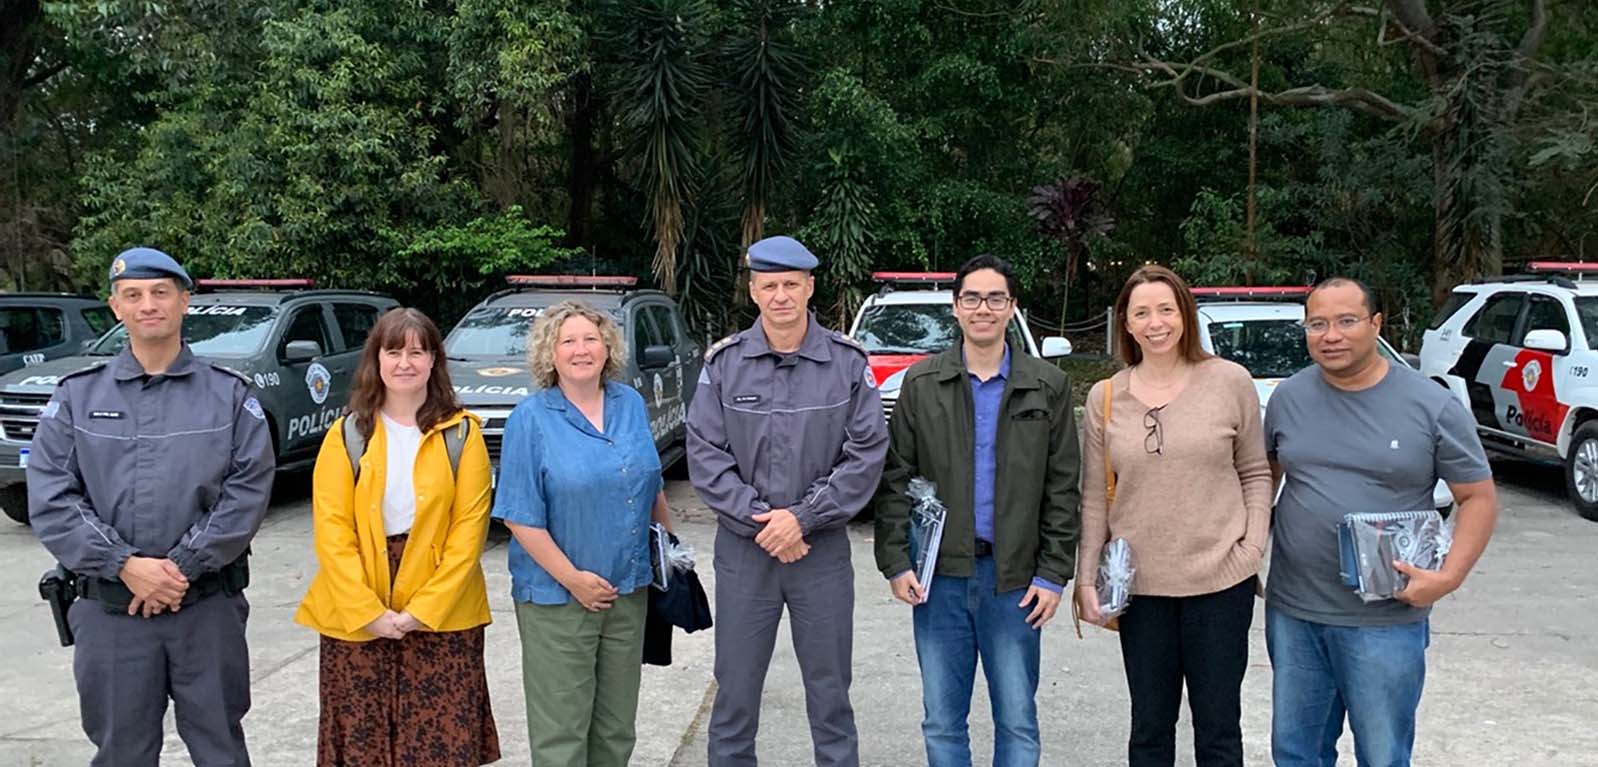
400	600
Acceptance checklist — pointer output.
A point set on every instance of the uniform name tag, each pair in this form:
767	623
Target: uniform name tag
114	414
746	399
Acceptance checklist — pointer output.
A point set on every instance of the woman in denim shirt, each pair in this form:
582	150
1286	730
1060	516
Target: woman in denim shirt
579	482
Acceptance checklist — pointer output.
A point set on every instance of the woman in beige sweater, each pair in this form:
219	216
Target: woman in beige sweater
1192	497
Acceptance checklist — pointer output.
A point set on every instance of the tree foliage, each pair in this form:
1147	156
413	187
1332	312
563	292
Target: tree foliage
427	149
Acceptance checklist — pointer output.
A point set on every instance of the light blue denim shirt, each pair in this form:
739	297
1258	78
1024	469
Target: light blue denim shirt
592	491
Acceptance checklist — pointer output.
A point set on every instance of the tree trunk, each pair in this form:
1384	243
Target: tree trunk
583	176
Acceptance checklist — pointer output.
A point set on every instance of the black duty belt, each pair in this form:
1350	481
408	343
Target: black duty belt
115	594
983	549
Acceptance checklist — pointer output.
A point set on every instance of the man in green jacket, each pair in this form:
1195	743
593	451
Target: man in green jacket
992	428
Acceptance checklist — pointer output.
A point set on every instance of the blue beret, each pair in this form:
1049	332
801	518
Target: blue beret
780	254
148	264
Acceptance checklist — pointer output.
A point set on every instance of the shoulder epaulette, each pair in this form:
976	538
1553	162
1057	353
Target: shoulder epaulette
85	369
848	340
716	347
230	371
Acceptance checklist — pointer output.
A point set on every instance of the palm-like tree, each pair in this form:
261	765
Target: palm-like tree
661	79
1067	212
764	68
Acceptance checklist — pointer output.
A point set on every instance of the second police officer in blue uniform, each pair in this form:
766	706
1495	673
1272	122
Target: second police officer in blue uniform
786	442
148	477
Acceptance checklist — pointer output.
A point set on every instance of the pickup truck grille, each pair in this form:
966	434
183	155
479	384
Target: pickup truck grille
19	415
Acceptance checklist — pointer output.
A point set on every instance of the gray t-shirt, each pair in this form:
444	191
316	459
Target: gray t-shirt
1377	450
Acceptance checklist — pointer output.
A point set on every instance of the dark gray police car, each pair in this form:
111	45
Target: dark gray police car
38	327
299	345
487	352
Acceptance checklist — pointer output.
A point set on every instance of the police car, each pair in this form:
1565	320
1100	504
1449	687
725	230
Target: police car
1261	329
911	317
300	346
487	351
38	327
1519	351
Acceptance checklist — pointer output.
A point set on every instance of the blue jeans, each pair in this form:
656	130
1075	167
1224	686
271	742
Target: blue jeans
963	619
1371	674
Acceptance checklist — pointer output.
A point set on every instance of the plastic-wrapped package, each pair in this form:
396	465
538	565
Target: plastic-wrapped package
1368	543
667	555
1115	578
927	515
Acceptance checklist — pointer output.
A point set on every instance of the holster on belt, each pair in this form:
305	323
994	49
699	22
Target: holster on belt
58	586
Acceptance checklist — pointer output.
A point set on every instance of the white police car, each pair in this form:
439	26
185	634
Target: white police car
1260	328
900	327
1519	352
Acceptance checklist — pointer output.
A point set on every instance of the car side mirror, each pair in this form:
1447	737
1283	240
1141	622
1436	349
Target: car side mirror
88	343
1546	341
302	351
1055	346
656	357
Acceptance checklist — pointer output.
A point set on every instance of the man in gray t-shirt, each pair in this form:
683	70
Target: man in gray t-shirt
1357	434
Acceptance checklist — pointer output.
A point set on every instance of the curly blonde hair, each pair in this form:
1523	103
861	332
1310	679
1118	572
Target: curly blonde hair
546	331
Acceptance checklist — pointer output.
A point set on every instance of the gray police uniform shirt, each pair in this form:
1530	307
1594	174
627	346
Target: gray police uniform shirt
801	431
176	465
1377	450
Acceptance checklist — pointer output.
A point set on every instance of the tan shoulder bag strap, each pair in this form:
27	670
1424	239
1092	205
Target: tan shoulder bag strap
1104	444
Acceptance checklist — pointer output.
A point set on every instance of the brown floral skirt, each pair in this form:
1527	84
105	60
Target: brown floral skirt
421	701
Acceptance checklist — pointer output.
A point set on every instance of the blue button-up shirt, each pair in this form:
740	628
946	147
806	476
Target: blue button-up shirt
986	398
593	492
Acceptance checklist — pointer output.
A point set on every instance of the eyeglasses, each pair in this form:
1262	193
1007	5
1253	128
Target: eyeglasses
995	301
1344	324
1154	443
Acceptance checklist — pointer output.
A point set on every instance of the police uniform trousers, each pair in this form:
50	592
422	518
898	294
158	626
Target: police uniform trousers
752	588
126	666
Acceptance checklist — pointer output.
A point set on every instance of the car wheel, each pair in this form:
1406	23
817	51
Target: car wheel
1581	470
14	499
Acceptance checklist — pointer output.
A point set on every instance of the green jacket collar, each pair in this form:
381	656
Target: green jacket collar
950	364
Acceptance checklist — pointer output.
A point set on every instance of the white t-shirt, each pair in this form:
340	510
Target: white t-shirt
399	492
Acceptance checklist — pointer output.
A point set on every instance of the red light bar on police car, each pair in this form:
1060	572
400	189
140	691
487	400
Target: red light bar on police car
572	280
282	283
1562	266
912	276
1244	291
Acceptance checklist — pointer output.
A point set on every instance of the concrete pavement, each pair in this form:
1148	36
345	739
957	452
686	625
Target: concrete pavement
1512	677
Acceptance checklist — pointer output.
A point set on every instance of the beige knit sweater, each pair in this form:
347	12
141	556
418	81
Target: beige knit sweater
1197	514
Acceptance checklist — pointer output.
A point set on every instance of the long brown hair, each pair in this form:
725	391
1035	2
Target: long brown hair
391	332
1189	345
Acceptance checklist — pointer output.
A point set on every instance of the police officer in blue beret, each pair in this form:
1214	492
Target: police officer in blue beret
786	443
149	475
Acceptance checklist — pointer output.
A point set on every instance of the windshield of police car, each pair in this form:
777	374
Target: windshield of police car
1270	348
916	329
211	330
494	332
1587	311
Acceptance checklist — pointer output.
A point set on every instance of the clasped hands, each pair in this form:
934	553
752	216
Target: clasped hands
781	537
157	585
393	625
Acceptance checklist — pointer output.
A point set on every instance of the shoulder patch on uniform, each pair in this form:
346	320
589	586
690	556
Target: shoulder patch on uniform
50	409
716	347
253	407
84	370
248	381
